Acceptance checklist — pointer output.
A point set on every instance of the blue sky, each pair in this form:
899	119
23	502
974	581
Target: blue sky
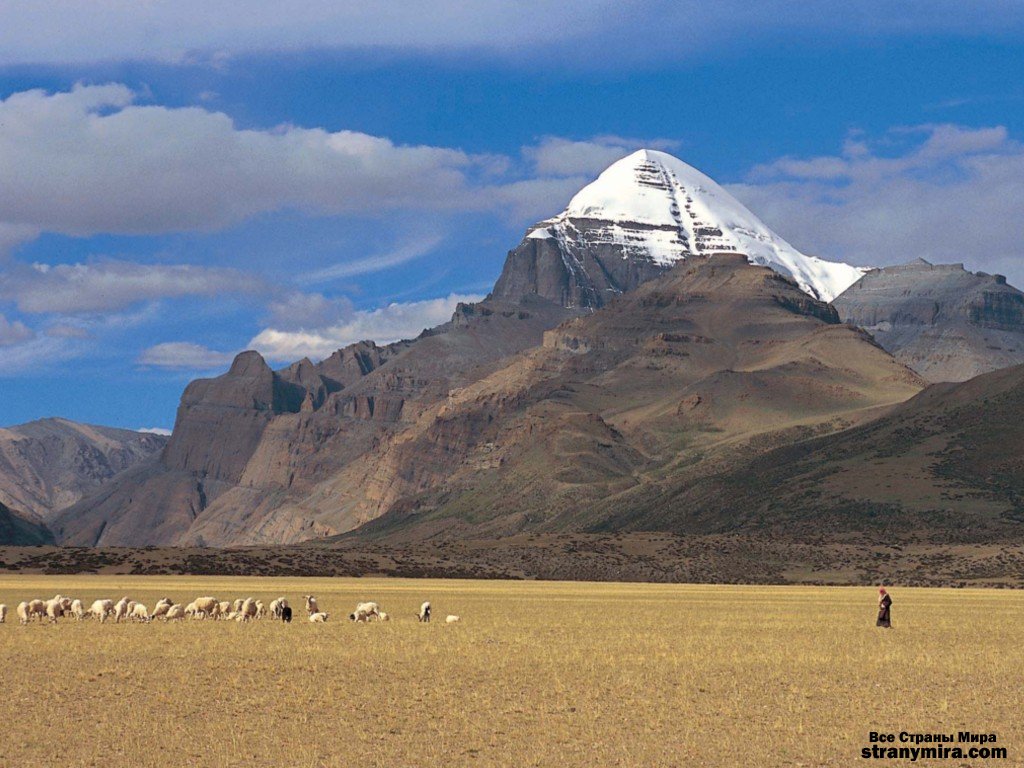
177	185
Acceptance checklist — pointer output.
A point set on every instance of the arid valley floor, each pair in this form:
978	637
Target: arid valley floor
535	674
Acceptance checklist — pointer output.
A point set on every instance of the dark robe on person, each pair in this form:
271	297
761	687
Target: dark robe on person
884	604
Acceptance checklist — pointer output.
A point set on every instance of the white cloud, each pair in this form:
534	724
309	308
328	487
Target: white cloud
184	355
93	160
597	32
14	332
307	310
383	325
155	431
90	160
939	192
106	286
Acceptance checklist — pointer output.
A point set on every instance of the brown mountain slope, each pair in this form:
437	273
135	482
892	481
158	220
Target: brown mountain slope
717	359
50	464
944	467
250	446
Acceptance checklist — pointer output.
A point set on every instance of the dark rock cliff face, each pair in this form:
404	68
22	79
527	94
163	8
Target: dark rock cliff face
582	272
946	323
18	530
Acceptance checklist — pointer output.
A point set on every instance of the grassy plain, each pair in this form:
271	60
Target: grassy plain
536	674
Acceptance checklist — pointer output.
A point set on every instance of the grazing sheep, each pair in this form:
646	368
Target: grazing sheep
77	610
311	606
3	613
54	608
424	614
36	609
161	608
261	611
384	616
452	619
364	611
101	609
191	610
23	614
175	613
121	609
286	614
207	607
237	605
139	613
225	608
248	609
318	618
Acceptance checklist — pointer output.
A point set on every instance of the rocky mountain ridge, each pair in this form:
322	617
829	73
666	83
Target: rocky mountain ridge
945	322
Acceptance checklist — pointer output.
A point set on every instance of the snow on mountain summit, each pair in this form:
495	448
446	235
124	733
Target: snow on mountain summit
656	207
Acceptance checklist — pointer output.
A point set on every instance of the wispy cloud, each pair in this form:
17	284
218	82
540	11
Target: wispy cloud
401	255
14	332
185	355
106	286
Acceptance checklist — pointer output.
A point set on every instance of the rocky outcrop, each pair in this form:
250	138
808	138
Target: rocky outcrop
48	465
251	447
946	323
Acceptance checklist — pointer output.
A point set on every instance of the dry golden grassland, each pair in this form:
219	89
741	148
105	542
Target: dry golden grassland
536	674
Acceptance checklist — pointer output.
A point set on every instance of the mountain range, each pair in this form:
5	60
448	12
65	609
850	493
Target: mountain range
654	358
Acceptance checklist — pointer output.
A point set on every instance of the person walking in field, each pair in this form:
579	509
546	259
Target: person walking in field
884	607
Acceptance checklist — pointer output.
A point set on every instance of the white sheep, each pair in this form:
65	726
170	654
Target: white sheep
3	613
424	614
175	613
452	619
121	609
36	609
207	607
364	611
318	617
139	613
55	608
101	609
276	606
237	605
162	607
261	611
225	608
248	609
311	606
77	610
23	614
384	616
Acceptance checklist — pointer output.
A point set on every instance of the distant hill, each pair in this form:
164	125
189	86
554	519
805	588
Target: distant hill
945	467
48	465
946	323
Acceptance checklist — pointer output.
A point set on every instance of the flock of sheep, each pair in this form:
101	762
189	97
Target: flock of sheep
247	609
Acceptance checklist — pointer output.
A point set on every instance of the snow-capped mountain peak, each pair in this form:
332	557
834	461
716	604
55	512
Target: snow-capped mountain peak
655	207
